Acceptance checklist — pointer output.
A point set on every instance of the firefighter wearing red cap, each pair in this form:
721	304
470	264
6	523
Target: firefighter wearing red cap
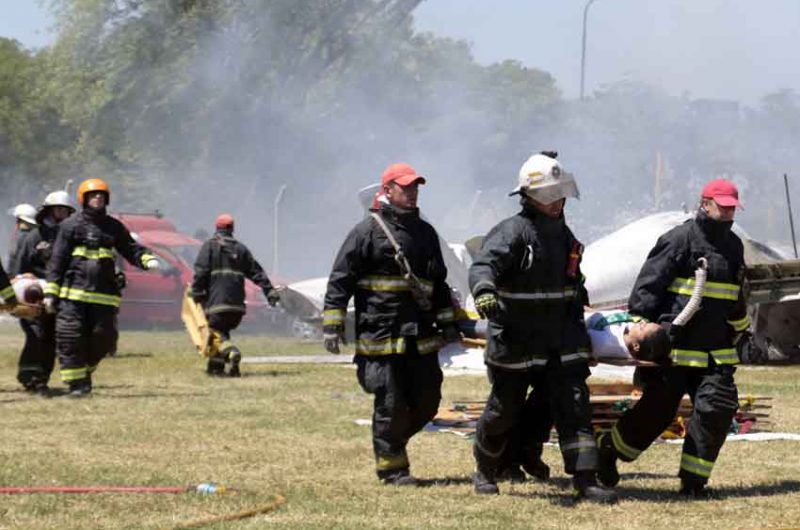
391	264
220	269
705	350
82	284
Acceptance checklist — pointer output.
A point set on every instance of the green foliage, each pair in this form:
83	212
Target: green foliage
191	90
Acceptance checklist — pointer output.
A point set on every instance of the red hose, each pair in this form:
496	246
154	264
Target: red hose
14	490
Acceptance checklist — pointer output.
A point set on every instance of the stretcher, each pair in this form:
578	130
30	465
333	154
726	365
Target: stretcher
22	310
194	318
615	361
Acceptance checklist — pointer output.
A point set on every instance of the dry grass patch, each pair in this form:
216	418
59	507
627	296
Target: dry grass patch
156	419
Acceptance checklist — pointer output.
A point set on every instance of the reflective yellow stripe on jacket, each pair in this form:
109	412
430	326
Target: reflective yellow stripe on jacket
100	253
391	284
7	293
574	357
333	317
397	345
539	294
79	295
719	290
52	288
226	272
741	324
699	359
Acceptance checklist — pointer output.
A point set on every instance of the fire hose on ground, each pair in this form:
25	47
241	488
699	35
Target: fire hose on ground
204	488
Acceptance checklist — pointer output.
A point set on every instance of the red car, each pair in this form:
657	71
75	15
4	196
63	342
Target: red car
154	299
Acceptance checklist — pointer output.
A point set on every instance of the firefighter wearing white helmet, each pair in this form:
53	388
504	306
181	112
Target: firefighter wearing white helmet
527	282
24	215
542	179
38	354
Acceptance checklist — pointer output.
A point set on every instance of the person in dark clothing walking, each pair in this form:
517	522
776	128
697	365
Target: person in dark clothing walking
6	290
527	281
392	264
24	222
39	352
82	285
220	269
705	350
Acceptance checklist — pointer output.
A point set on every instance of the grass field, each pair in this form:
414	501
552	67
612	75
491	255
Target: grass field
156	419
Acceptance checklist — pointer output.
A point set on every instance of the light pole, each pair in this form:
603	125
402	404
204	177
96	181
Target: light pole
583	44
275	230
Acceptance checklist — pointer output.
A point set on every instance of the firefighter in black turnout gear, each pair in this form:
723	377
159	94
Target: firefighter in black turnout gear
82	285
527	281
392	264
33	255
704	350
24	222
220	269
6	290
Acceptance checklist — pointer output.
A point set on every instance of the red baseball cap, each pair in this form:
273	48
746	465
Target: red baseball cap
723	192
224	220
403	174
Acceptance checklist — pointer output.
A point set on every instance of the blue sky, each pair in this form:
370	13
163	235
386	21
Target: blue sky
730	49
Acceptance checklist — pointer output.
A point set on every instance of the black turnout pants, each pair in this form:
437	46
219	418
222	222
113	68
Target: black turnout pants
38	355
531	431
407	390
509	412
714	397
85	333
223	323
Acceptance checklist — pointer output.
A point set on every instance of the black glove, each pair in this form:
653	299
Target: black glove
451	334
121	280
748	351
332	336
273	297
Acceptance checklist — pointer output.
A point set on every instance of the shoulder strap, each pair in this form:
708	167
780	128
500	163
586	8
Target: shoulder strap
399	255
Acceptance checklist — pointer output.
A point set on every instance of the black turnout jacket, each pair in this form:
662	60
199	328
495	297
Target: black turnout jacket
220	269
82	266
386	312
532	263
666	281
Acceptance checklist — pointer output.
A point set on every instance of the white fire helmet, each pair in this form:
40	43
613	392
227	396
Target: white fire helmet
25	212
58	198
541	178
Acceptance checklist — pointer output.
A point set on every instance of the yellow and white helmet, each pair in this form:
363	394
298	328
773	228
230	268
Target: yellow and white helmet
542	179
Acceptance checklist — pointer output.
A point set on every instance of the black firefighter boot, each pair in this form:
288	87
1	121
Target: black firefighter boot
607	472
695	489
398	477
513	473
216	366
585	487
534	465
485	482
234	356
80	389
